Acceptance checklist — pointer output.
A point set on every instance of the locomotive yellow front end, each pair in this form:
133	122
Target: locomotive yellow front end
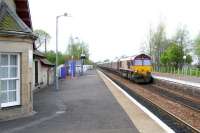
142	68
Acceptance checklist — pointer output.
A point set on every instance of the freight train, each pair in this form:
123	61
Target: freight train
136	68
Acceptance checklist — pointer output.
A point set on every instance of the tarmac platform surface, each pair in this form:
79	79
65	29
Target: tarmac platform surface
82	105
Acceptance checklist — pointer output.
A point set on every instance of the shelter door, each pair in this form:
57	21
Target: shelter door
36	72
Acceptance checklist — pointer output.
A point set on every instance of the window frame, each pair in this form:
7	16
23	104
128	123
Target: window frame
17	78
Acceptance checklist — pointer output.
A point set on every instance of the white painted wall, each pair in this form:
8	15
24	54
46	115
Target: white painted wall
51	76
42	75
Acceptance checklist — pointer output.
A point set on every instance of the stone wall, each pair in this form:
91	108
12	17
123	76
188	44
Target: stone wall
21	46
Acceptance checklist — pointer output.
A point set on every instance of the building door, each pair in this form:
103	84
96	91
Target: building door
9	79
36	72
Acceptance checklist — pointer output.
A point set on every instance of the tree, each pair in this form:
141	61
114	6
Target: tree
43	38
164	58
188	59
75	49
182	38
150	42
51	56
173	56
197	47
157	42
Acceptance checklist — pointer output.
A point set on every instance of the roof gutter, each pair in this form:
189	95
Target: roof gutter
18	34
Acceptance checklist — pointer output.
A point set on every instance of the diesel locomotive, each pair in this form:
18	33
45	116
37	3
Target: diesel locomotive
137	68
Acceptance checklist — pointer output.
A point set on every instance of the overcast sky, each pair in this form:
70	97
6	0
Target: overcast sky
112	27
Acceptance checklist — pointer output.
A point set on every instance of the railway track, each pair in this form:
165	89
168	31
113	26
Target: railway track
181	99
174	97
178	125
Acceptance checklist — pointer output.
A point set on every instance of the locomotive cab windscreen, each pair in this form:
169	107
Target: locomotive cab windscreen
142	60
142	64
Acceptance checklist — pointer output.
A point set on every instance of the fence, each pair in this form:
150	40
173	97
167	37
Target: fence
185	71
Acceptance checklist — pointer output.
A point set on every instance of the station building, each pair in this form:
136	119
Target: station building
43	71
16	59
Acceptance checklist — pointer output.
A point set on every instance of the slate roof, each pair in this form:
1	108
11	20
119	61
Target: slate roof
9	20
46	62
38	53
43	58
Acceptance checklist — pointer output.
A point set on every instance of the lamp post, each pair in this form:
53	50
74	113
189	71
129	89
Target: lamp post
56	75
82	62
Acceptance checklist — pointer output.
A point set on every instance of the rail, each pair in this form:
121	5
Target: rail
171	120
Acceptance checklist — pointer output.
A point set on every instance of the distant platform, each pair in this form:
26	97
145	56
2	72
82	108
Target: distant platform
180	79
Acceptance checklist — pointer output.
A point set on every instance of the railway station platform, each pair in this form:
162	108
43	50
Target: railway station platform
181	79
85	104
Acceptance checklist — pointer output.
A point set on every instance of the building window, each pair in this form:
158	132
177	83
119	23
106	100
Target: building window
9	79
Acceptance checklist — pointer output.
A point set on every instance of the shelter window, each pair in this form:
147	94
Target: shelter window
9	80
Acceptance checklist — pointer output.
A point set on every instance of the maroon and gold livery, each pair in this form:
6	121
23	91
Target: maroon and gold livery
137	68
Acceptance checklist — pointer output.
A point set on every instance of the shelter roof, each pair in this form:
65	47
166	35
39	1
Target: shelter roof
46	62
39	54
10	21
